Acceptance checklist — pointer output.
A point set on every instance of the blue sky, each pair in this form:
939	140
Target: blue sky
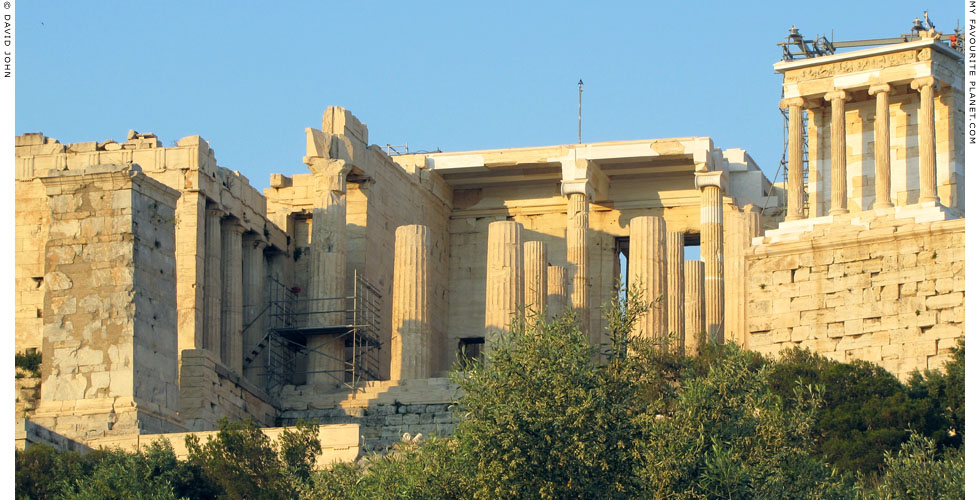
249	76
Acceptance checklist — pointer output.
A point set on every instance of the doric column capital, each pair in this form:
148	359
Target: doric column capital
214	212
717	178
791	101
232	224
835	94
926	81
881	87
750	208
256	240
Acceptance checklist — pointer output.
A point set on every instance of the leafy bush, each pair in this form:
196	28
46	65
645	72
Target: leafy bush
40	469
915	473
867	411
244	463
432	470
120	475
731	436
29	361
543	418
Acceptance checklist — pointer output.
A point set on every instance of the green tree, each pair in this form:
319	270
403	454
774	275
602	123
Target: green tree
40	468
867	411
730	436
242	461
915	473
120	475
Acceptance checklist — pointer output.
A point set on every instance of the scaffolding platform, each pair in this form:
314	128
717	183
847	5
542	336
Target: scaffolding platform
301	330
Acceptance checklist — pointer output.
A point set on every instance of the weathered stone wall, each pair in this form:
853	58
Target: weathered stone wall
210	391
30	232
384	410
885	286
110	336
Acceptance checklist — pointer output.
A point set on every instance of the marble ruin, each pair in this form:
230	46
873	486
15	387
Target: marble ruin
165	292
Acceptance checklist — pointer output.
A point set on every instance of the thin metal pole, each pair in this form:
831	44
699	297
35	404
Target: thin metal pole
580	111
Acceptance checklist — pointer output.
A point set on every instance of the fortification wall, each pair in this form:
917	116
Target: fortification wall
885	286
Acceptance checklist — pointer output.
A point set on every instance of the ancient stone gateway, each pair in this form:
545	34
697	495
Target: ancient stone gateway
165	292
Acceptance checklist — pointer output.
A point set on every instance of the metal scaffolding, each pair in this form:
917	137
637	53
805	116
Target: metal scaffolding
300	329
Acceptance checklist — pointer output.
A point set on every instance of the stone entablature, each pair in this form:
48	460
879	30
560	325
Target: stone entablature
904	62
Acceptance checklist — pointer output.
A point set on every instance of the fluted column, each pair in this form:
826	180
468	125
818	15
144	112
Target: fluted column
212	281
557	293
883	168
675	287
254	286
693	305
328	273
411	331
577	247
648	270
231	296
535	278
713	254
505	287
838	153
794	187
927	139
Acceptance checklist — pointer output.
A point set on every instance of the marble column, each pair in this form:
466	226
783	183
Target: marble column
253	304
712	253
838	153
675	287
328	273
927	139
505	287
693	305
557	293
647	270
411	330
535	279
577	247
212	281
794	184
883	168
231	296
